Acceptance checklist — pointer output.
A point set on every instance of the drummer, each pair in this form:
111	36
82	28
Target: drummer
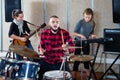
84	30
54	37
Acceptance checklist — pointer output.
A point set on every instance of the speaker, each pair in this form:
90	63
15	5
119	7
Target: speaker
9	6
116	11
113	46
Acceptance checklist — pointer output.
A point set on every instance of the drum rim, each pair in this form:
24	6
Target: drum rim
53	78
8	59
23	78
29	62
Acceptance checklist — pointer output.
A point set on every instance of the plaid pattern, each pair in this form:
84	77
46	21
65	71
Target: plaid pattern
49	41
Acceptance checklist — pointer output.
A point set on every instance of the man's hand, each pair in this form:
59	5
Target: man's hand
41	50
65	47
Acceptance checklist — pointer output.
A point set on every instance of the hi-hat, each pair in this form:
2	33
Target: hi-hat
23	51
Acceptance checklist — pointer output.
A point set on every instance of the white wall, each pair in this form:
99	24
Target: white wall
34	13
0	25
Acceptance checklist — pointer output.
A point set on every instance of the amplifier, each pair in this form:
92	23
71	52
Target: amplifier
113	46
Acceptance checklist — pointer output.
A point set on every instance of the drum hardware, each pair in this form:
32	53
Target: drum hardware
5	71
63	62
8	72
81	53
7	66
8	54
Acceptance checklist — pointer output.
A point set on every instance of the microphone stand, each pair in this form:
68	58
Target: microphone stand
31	23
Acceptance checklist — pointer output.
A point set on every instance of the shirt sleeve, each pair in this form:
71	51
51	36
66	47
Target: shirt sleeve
11	29
77	27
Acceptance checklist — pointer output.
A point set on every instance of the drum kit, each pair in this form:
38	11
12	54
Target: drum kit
62	74
12	69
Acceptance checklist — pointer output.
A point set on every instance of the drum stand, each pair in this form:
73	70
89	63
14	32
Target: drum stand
9	52
81	67
8	72
63	63
63	66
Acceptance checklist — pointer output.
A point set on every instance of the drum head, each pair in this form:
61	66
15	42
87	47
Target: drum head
56	75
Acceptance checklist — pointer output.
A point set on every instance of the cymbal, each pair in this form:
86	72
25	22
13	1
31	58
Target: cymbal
68	47
81	58
23	51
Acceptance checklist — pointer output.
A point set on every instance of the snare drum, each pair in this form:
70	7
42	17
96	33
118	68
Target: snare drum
27	70
56	75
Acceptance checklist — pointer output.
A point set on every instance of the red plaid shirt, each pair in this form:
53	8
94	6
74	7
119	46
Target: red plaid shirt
49	41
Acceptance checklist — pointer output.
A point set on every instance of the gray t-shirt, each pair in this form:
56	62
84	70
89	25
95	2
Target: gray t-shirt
84	28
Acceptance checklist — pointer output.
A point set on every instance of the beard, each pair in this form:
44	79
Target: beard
55	30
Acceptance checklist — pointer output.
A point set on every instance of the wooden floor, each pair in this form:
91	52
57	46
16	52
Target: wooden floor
98	75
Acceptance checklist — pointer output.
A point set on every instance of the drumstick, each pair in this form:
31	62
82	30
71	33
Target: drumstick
62	37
